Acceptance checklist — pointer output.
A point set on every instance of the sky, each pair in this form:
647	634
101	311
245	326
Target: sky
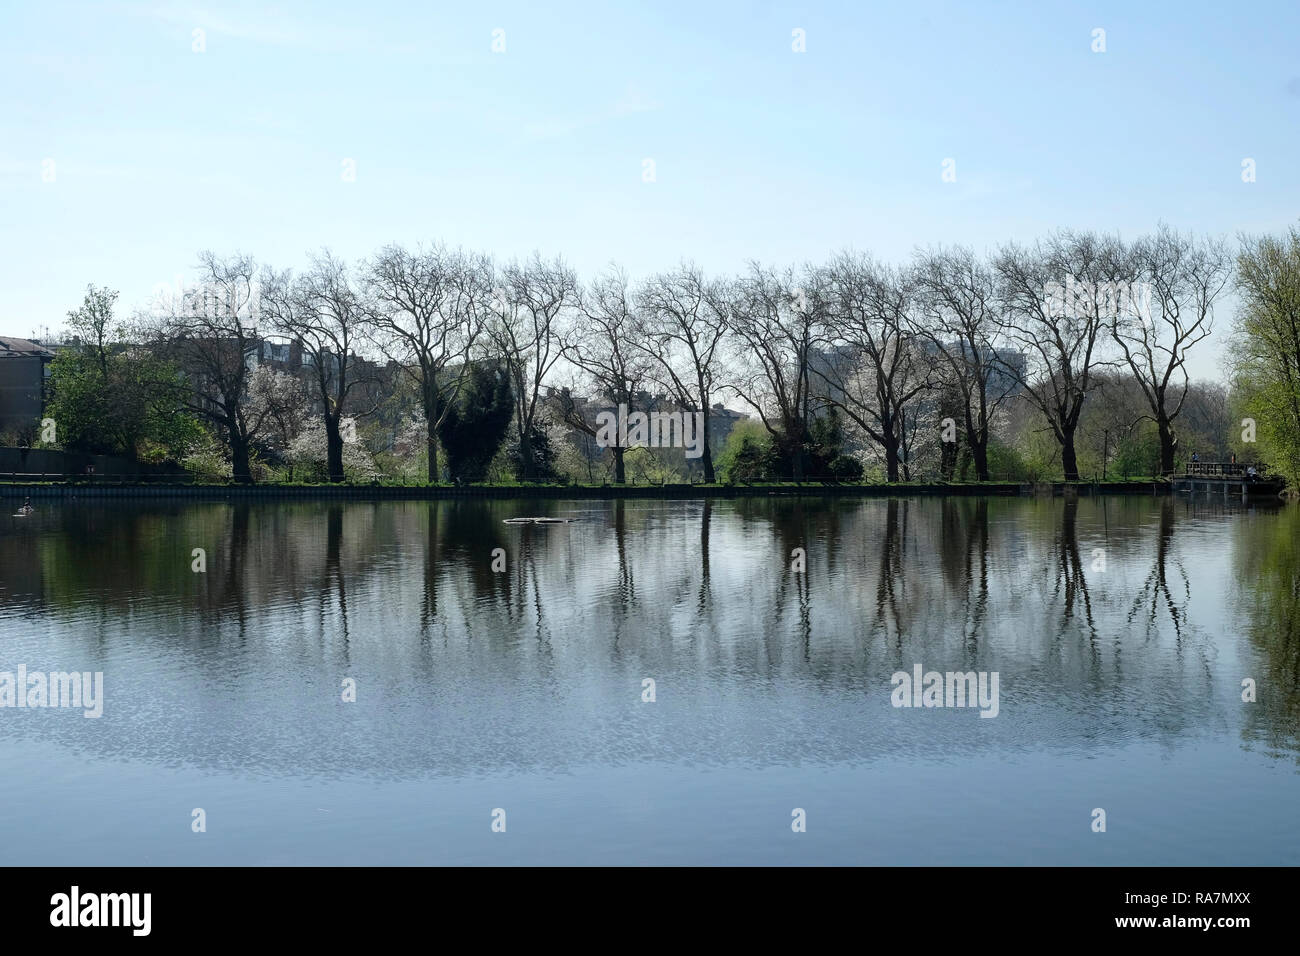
636	133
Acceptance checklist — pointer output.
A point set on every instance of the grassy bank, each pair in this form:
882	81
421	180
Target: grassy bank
107	488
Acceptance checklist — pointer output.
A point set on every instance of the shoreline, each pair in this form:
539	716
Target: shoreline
358	492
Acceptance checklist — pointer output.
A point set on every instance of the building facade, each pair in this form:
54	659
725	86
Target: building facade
24	370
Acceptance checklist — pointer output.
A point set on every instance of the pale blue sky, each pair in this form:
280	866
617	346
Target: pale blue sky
759	151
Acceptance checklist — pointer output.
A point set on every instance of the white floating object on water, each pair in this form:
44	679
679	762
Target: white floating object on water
538	520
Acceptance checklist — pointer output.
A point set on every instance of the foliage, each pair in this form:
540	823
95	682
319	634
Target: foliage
1005	463
309	454
1135	454
112	399
207	458
643	465
825	450
845	468
1265	350
1268	402
748	455
544	455
281	400
475	425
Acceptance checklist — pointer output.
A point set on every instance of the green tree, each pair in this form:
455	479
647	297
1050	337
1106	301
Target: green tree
540	451
1266	349
1137	452
825	449
474	426
109	397
749	453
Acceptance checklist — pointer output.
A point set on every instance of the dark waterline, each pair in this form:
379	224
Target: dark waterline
1121	629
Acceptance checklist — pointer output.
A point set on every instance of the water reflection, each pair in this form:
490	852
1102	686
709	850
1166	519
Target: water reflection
479	646
1156	595
1071	582
1267	579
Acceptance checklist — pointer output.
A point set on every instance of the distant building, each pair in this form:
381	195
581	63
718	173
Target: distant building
24	368
721	422
371	382
1008	371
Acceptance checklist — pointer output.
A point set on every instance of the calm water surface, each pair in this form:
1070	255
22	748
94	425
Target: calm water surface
1121	630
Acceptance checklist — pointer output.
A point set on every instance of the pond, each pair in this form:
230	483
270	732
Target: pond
677	682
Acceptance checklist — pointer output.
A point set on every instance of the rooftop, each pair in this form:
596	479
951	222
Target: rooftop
22	347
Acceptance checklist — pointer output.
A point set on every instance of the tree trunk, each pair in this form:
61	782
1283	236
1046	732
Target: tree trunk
947	460
529	469
240	467
1069	461
709	477
333	449
980	452
431	423
1168	443
620	474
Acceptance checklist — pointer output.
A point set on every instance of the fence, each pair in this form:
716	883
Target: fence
1224	469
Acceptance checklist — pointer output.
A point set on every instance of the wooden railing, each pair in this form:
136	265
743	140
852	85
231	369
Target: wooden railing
42	477
1224	469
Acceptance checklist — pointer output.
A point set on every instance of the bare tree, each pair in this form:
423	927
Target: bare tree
1167	310
426	309
776	317
686	322
1054	299
322	311
527	334
873	367
604	345
211	333
957	298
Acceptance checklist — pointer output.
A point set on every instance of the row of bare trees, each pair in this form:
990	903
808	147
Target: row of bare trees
1142	305
426	309
945	340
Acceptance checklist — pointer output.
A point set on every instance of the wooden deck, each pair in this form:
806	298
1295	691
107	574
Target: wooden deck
1228	479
